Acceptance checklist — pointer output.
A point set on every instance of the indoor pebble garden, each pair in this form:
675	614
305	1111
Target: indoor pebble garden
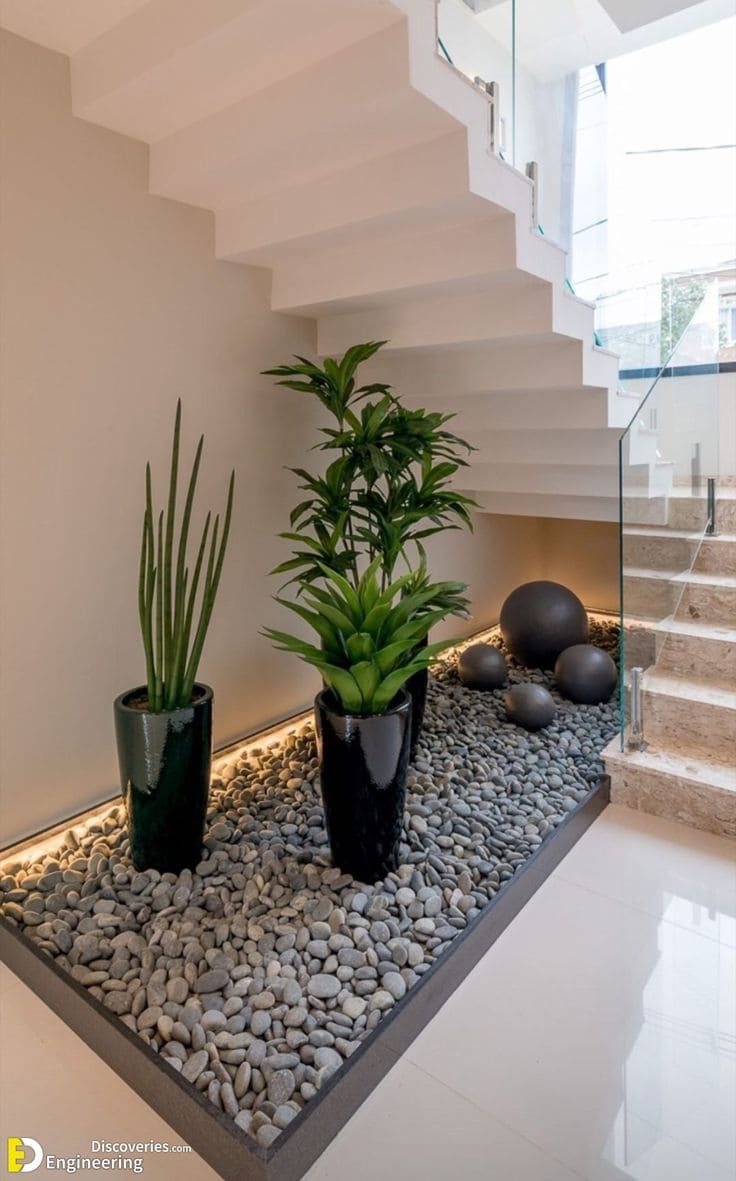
258	975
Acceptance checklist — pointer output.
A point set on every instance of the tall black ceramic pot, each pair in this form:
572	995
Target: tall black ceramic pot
363	763
417	689
165	762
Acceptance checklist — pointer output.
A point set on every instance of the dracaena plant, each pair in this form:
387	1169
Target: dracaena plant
174	617
388	487
369	635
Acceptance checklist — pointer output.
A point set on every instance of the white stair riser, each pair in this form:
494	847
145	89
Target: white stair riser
544	447
170	65
544	504
579	480
286	135
425	184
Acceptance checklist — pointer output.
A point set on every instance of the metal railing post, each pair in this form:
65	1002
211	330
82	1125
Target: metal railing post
710	528
636	730
532	171
493	90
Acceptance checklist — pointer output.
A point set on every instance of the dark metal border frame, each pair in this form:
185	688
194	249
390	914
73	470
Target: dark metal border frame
230	1152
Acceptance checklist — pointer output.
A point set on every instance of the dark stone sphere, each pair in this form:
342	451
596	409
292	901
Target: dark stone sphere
539	620
586	674
530	706
482	666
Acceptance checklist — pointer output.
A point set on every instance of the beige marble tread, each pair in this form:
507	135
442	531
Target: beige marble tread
701	578
700	631
665	531
689	689
648	572
697	577
698	771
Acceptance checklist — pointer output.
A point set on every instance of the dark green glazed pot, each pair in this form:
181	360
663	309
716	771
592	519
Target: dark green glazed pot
165	764
363	763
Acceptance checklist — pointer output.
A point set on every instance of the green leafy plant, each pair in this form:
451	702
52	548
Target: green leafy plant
167	598
389	487
370	636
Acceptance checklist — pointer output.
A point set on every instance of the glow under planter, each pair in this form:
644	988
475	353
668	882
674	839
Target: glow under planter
363	763
165	764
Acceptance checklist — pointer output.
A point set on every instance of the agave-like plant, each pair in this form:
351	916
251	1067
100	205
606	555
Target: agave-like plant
167	600
369	636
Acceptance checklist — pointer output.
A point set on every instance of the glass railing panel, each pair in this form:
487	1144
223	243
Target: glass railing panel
478	40
668	455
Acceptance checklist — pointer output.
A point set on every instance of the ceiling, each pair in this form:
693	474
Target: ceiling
557	37
633	14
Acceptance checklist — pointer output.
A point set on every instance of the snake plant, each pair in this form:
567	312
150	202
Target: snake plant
167	596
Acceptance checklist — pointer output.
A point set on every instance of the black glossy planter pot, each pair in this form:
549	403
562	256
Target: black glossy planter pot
363	764
165	763
417	689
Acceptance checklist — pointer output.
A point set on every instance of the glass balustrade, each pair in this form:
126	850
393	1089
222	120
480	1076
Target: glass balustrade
668	454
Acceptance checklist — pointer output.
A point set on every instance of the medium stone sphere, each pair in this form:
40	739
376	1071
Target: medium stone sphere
482	666
539	620
586	674
530	706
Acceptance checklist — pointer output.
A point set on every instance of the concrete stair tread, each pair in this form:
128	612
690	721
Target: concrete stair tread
700	771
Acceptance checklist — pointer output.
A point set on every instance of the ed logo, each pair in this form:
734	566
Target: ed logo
19	1151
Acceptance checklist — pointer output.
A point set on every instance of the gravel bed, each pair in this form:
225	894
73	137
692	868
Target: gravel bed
260	973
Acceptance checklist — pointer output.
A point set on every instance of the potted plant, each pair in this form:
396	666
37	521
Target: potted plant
370	639
386	491
164	728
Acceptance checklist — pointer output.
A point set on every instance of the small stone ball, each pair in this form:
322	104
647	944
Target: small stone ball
482	666
530	706
586	674
539	620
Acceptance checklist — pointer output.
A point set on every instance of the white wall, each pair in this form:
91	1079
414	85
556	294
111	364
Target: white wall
583	555
112	306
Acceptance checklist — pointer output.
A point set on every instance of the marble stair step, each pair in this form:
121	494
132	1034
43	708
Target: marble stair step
700	650
709	598
648	547
698	792
689	512
689	718
717	555
650	594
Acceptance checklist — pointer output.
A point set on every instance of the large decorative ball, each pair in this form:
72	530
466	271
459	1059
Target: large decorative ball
539	620
586	674
482	666
530	706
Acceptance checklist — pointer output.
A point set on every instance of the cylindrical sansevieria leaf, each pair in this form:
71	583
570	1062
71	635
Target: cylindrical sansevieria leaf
168	598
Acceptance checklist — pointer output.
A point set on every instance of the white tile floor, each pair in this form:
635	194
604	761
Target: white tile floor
596	1040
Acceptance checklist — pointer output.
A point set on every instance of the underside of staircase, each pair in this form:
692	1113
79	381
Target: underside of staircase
680	606
338	150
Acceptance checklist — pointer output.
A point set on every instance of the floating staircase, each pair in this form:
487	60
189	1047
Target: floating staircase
680	602
340	151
